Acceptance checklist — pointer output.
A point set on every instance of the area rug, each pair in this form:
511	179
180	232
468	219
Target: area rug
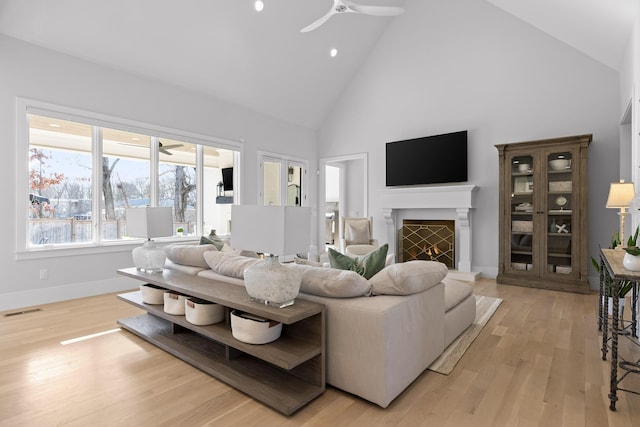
485	307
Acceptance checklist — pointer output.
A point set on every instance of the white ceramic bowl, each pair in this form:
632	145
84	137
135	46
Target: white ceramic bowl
200	312
559	164
523	167
253	329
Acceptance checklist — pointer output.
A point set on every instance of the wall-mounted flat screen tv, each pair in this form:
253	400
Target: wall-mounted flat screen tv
227	179
433	159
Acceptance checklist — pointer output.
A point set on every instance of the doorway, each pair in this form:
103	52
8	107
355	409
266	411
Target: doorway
343	191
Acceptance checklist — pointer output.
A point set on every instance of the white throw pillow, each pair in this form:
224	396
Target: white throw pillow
357	232
408	278
189	254
227	264
332	283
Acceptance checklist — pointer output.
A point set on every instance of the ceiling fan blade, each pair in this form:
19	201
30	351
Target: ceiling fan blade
169	147
163	151
319	22
375	10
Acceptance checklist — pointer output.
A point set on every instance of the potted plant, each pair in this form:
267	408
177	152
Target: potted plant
180	231
631	260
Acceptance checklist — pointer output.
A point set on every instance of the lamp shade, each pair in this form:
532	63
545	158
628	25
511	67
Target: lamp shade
149	222
276	230
620	194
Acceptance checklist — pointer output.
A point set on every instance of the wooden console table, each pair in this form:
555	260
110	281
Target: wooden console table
612	270
285	374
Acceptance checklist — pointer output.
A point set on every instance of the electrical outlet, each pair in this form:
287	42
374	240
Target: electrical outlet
44	274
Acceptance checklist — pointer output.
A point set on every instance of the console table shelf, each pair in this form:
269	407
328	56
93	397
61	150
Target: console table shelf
284	374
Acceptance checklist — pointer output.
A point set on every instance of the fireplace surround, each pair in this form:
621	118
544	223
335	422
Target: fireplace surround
450	202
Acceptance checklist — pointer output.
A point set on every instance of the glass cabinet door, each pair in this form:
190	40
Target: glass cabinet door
521	210
559	213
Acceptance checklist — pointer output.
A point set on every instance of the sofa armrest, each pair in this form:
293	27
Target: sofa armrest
377	346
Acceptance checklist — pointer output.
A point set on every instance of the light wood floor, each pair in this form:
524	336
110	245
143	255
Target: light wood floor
536	363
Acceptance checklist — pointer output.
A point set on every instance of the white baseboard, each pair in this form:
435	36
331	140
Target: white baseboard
30	298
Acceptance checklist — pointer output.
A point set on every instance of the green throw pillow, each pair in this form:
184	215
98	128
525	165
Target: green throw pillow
215	241
366	266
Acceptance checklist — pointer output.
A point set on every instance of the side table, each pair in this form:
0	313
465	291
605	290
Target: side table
613	271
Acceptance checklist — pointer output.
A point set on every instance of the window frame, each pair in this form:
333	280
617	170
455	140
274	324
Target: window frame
25	106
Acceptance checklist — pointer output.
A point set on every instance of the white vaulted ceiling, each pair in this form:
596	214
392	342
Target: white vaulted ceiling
261	61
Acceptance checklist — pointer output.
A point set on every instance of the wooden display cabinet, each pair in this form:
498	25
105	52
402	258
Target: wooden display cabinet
543	214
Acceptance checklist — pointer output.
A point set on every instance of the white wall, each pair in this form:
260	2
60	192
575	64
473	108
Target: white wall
464	64
32	72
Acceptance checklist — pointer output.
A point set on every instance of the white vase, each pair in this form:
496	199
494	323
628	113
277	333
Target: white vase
631	262
269	282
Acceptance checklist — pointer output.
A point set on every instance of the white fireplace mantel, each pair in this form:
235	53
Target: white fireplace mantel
456	200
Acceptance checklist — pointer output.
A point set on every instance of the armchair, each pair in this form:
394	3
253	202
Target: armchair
356	237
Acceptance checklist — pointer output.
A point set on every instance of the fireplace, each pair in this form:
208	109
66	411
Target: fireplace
448	202
429	240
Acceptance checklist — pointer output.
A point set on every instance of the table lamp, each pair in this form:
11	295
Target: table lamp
149	223
620	195
272	230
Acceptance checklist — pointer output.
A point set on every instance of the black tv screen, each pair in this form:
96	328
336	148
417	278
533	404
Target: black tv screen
433	159
227	179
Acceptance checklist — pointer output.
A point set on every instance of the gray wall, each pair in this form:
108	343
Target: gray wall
40	74
450	66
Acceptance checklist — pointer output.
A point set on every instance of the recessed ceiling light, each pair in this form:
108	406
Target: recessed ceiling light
54	125
259	5
135	139
333	52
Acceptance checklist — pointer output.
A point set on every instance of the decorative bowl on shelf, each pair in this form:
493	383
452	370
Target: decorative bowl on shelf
253	329
524	167
152	294
201	312
174	303
559	164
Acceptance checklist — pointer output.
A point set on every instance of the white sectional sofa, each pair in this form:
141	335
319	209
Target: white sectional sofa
376	345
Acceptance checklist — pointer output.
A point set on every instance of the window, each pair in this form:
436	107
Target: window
283	180
84	170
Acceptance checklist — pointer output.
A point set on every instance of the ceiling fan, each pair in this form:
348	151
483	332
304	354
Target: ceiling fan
344	6
165	148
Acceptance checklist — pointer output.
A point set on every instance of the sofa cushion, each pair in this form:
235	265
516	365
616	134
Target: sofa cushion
188	254
331	282
303	261
227	264
408	278
454	292
367	266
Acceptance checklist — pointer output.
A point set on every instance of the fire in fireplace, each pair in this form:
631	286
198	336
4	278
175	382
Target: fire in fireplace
430	240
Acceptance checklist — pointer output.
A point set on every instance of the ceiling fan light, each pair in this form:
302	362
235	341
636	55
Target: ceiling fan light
258	5
333	52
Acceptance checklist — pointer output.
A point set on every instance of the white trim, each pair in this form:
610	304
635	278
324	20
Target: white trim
48	295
